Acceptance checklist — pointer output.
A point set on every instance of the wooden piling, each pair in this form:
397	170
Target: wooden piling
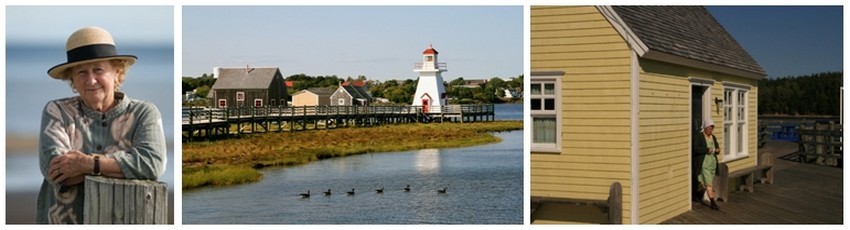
120	201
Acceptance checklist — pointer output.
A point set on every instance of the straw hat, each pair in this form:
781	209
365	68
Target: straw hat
87	45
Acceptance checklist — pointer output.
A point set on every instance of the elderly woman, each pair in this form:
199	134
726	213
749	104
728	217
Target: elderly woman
100	132
705	153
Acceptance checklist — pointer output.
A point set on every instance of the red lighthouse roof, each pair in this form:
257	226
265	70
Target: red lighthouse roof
430	50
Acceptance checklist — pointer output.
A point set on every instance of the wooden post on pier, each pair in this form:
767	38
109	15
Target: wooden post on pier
119	201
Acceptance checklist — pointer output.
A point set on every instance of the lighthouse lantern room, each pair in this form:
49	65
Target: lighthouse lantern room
430	91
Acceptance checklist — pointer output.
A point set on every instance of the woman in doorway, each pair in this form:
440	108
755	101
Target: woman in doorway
705	152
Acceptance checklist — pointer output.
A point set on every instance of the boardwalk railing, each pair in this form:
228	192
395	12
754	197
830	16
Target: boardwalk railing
207	122
118	201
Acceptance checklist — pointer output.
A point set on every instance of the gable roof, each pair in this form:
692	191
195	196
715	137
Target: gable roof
356	92
318	91
686	35
245	78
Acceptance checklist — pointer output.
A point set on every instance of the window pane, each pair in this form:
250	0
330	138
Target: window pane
741	117
727	137
740	138
742	98
535	89
549	104
535	104
544	130
549	89
727	114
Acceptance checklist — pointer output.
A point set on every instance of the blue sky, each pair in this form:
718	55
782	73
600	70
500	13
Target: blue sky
787	41
381	42
53	24
35	41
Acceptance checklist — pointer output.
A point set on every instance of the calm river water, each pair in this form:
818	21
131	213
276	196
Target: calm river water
485	186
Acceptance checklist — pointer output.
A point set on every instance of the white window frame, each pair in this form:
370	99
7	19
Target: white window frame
222	103
258	100
240	96
735	121
341	101
543	78
273	103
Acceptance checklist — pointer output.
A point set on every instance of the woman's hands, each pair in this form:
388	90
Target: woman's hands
70	168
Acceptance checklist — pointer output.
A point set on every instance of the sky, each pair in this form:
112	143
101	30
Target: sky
787	41
380	42
35	41
136	24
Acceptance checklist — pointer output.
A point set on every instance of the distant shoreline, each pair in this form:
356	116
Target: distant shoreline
21	144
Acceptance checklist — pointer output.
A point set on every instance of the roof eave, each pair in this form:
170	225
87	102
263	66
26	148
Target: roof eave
643	50
673	59
625	32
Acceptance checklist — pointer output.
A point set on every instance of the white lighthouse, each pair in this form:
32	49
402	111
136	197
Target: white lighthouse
430	92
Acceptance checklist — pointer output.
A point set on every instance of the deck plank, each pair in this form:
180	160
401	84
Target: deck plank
802	194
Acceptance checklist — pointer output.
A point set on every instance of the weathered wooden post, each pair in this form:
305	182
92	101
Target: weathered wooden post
120	201
615	203
721	183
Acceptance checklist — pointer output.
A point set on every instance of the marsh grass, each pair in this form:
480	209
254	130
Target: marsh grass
233	161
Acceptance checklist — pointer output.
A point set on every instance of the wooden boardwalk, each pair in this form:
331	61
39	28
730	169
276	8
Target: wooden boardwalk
801	194
206	123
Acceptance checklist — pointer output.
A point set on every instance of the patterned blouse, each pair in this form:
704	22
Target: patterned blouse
131	133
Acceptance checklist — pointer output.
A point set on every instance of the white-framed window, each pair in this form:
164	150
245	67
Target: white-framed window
240	96
341	101
273	103
222	103
545	96
735	126
258	102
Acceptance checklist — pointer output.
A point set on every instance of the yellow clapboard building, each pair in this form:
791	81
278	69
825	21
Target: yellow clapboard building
616	95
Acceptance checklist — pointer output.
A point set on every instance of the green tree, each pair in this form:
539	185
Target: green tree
202	91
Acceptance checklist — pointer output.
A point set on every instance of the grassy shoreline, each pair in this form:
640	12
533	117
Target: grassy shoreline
234	161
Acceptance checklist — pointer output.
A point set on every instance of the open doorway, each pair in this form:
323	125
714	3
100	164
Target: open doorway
699	109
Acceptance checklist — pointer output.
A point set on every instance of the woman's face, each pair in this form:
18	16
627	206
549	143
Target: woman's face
95	82
709	129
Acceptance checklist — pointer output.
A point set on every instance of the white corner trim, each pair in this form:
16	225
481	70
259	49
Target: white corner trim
635	138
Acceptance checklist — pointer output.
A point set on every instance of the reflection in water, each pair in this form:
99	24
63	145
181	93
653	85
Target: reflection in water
427	161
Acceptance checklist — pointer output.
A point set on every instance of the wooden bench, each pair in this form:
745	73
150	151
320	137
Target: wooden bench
613	206
744	178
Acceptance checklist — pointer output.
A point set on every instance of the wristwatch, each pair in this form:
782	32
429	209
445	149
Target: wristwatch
96	170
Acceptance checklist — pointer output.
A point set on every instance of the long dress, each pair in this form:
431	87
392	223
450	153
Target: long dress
709	163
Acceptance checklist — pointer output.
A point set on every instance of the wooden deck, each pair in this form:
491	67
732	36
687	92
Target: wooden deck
802	194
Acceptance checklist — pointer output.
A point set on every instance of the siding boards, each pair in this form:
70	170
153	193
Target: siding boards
540	49
595	106
664	145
